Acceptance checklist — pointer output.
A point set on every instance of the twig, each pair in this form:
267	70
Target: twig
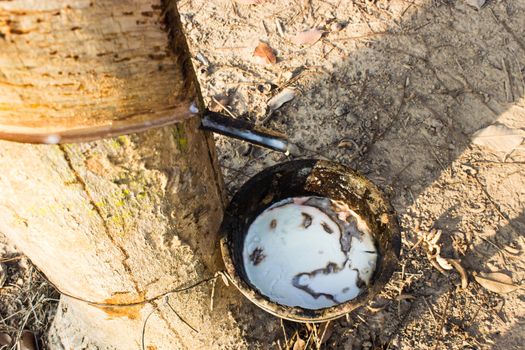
431	311
357	37
179	316
144	328
508	81
212	296
309	338
406	9
324	332
443	319
224	108
11	259
434	154
284	332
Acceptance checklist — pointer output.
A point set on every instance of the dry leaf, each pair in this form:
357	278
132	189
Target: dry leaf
499	138
286	95
443	263
5	340
496	282
405	297
512	250
476	3
347	143
27	341
299	344
266	53
251	2
434	236
3	274
374	309
307	37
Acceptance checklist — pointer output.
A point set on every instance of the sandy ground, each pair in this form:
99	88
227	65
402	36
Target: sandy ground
395	89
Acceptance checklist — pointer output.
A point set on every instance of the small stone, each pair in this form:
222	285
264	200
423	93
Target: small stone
287	75
476	3
202	59
336	26
341	110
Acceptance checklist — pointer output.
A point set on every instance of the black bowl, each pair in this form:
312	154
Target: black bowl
310	178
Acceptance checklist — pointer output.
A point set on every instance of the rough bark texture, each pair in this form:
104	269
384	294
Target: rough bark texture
78	69
120	220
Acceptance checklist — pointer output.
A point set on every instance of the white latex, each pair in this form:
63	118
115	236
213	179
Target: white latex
278	248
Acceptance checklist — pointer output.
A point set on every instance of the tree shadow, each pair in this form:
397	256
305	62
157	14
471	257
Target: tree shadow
401	108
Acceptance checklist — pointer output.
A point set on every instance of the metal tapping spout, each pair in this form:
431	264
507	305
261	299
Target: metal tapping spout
246	131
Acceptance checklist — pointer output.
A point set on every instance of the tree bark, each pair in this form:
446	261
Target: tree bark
123	220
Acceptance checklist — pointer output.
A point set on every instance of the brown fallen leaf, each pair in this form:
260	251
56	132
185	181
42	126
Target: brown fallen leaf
27	341
496	282
444	263
307	37
299	344
265	52
405	297
5	340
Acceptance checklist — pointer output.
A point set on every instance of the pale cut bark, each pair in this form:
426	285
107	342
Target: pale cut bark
124	219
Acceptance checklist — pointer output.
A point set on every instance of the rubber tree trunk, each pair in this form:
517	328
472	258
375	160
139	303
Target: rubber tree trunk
121	220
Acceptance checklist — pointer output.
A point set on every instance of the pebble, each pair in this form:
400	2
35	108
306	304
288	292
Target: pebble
336	26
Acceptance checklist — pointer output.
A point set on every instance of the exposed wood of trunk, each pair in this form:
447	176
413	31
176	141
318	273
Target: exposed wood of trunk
120	220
